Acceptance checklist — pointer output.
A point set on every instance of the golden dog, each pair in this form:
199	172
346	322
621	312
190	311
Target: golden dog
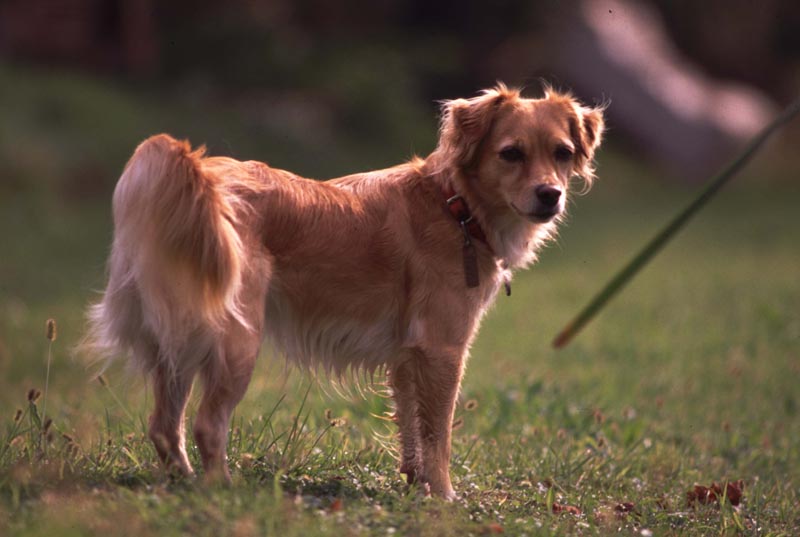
390	269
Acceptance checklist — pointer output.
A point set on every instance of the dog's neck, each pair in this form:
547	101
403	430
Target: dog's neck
513	242
457	206
459	209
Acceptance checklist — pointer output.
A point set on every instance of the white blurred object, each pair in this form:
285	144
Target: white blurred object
670	107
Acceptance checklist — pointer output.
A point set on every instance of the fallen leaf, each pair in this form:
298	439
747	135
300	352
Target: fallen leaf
711	495
700	494
571	509
624	508
493	527
733	491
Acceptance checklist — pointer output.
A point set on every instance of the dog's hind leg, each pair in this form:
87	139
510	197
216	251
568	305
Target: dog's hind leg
226	376
225	380
167	423
403	381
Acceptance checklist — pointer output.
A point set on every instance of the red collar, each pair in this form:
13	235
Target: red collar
459	210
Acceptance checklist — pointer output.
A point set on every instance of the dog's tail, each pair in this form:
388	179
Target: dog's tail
176	263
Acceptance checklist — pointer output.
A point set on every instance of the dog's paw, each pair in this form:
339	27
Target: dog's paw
218	476
447	495
178	470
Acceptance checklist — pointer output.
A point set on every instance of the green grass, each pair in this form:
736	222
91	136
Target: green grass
689	376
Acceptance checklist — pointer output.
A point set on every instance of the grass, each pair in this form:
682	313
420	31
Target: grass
688	377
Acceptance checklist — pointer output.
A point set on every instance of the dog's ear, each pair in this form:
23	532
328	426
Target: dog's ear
586	130
466	122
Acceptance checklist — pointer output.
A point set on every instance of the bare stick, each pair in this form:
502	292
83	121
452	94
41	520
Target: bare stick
658	242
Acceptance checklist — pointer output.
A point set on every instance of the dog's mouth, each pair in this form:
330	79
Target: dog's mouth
538	216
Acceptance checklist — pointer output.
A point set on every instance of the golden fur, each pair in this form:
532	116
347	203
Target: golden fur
210	255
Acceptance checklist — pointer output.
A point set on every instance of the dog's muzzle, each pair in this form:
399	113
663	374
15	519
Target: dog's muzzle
546	204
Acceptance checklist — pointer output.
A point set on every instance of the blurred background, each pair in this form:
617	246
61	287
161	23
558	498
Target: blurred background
328	88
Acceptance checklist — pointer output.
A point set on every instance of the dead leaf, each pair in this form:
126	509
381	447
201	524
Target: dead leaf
711	495
493	527
571	509
733	491
623	509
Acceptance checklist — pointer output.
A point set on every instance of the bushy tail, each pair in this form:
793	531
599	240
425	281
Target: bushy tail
176	262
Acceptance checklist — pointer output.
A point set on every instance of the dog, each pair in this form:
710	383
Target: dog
386	270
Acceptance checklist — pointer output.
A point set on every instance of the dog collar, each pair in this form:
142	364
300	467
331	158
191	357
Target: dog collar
459	210
457	207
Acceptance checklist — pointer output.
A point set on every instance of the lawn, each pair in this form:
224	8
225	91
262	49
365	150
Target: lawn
688	378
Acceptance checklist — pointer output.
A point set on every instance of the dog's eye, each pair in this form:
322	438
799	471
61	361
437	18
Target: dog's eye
563	153
512	154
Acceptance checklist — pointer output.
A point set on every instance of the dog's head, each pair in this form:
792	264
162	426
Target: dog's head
519	154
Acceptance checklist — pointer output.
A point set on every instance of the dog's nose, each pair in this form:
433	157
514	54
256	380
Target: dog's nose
548	195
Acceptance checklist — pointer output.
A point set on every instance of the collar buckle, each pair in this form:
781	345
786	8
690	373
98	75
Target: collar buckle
465	230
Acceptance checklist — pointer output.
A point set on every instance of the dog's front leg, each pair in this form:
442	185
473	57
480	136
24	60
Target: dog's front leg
403	381
438	385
